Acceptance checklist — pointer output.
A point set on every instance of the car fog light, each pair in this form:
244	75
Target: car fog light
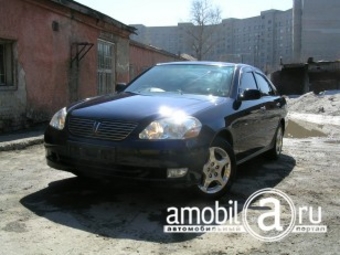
176	172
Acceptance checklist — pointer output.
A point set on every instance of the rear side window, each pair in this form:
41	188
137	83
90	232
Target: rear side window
247	82
264	86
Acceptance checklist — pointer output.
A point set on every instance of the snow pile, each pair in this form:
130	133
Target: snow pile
326	103
317	112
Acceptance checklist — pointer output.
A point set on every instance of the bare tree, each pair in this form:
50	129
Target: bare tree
204	17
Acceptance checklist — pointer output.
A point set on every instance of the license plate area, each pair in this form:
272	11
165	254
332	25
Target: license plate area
93	153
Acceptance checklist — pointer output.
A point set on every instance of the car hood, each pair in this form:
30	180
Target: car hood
133	107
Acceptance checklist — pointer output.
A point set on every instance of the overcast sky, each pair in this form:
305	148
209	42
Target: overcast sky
170	12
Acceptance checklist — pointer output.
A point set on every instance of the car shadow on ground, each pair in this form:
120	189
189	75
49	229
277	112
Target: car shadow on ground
130	211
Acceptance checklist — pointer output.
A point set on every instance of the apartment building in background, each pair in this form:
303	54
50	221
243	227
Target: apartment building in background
261	41
311	29
316	32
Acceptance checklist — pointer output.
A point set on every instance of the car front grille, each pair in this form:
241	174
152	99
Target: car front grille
113	130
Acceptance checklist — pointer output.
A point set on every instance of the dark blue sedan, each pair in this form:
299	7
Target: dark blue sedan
188	123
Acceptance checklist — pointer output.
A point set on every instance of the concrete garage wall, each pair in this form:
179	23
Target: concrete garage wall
324	76
45	77
290	81
297	79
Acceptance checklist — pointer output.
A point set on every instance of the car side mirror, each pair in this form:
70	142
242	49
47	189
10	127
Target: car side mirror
250	94
120	87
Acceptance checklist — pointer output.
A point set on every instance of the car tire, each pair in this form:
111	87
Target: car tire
275	152
219	171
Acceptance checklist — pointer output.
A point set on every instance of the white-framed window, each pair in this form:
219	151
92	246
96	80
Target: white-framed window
106	67
6	64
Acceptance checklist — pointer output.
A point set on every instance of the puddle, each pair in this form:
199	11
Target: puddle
294	130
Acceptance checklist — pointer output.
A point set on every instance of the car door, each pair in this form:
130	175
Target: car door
247	128
272	107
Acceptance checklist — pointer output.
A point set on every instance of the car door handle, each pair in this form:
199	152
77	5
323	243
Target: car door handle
278	104
263	108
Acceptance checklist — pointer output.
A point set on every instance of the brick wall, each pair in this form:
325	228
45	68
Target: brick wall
45	79
143	56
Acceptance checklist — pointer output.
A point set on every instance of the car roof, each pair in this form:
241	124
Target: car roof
237	65
198	63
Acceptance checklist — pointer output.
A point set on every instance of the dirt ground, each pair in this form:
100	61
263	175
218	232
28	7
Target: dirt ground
45	211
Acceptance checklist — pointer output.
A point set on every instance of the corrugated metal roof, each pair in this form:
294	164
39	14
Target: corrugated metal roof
93	13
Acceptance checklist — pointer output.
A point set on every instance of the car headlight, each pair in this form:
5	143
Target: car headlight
58	119
172	128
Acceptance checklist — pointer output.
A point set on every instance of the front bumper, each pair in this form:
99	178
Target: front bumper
133	159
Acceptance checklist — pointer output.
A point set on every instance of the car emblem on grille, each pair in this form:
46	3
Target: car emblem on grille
95	127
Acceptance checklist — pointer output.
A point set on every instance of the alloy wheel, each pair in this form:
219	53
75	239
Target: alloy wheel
216	172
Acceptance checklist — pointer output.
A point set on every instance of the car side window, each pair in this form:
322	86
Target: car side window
265	88
247	82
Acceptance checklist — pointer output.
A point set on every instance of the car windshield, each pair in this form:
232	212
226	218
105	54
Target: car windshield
195	79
